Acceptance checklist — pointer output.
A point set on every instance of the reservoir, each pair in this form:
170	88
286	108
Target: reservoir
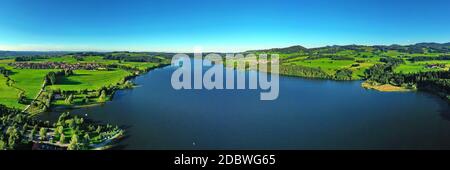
308	114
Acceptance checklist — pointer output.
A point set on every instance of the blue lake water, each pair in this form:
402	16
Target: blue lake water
309	114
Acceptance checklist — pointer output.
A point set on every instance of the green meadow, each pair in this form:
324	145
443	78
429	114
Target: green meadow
357	59
90	80
29	80
421	66
9	95
332	62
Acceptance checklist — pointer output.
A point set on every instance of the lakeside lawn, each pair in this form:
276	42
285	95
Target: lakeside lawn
90	79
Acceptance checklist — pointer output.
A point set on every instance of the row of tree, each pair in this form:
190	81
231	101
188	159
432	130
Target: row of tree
133	58
429	58
52	77
311	72
30	58
302	71
5	72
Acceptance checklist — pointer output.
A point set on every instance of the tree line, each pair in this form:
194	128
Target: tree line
52	77
429	58
437	82
302	71
133	58
30	58
5	72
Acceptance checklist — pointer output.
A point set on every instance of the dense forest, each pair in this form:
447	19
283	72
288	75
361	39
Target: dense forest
303	72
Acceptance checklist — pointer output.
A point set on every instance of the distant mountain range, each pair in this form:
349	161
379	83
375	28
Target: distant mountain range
28	53
414	48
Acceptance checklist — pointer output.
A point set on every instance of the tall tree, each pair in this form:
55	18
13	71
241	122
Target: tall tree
102	97
43	133
73	145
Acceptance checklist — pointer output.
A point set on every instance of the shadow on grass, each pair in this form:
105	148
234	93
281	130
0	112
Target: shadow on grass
66	81
11	73
79	75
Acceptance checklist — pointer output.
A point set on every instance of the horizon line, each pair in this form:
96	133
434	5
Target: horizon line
209	51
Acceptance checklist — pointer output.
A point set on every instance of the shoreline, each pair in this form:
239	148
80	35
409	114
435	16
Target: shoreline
383	87
94	104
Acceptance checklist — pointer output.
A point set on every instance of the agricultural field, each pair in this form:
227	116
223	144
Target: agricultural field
331	66
90	80
84	78
29	80
140	65
94	77
38	84
9	95
422	66
327	62
73	59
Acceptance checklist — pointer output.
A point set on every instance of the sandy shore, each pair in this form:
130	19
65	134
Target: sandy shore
384	87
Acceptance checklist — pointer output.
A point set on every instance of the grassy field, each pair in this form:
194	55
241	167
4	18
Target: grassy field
90	79
9	95
326	64
4	63
410	67
333	62
71	59
140	65
330	66
29	80
358	59
330	60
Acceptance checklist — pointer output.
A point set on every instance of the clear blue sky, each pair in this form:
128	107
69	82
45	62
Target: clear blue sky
217	25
